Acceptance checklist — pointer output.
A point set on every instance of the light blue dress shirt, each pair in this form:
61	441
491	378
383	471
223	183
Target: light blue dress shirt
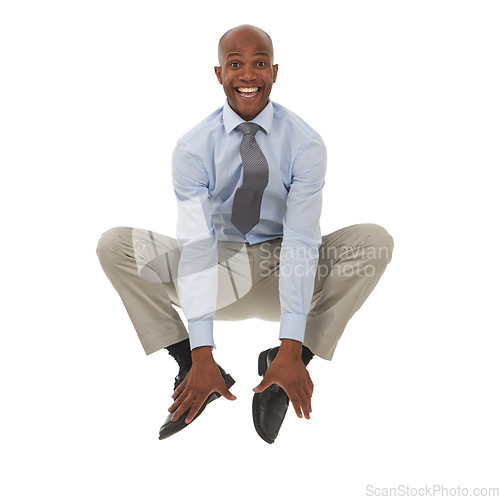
207	170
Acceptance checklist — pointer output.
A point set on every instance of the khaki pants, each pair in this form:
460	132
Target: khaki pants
142	267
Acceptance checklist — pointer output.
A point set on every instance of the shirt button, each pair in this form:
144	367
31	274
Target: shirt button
250	235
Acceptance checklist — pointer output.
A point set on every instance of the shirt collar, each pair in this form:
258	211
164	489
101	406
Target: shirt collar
231	119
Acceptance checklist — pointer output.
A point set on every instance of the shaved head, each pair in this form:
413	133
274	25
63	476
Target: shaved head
246	72
242	29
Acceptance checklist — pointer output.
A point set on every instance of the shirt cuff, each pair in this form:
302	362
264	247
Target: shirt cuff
293	326
201	333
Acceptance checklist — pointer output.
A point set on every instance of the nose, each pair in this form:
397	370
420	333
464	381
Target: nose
247	73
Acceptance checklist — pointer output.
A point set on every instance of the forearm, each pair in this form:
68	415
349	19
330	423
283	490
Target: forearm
197	288
197	272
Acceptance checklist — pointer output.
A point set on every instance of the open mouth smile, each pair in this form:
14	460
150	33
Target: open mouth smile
248	92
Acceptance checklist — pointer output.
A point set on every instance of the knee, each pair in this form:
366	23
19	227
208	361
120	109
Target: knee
378	237
110	243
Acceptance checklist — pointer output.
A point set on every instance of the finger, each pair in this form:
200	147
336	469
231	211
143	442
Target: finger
305	404
306	412
309	403
197	403
179	389
310	386
182	409
309	389
178	402
296	406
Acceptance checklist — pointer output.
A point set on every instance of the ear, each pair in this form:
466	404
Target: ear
275	72
218	73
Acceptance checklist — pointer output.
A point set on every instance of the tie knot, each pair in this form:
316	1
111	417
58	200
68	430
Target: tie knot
248	128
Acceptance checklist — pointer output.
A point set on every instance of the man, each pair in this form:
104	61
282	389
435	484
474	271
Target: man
248	181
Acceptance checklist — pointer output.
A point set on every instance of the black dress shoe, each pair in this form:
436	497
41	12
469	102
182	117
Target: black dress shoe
269	407
169	427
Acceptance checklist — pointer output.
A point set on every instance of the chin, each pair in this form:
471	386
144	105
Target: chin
250	110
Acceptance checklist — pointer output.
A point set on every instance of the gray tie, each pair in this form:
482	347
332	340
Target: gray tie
248	197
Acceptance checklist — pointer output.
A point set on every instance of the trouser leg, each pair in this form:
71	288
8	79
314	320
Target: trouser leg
351	262
140	265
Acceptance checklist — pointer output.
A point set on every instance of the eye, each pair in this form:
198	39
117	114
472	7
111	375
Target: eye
234	64
261	63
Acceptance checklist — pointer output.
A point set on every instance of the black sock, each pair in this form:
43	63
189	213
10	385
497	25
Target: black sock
307	355
181	352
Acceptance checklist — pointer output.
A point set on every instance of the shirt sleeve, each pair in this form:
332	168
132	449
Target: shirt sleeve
197	272
301	239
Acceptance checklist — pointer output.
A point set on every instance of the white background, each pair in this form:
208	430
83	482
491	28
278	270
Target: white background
94	96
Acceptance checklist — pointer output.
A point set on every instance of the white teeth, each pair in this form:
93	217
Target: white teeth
248	89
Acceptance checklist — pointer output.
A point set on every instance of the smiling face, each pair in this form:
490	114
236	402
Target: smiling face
246	70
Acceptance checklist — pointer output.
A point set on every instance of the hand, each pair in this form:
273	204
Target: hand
203	378
289	372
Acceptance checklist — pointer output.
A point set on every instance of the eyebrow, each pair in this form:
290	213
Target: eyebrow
231	54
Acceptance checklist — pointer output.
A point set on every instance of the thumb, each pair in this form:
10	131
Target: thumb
263	385
228	395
